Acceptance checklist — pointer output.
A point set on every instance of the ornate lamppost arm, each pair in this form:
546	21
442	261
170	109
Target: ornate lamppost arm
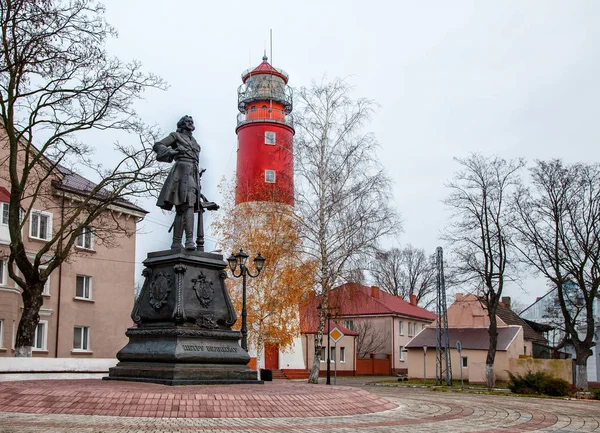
240	259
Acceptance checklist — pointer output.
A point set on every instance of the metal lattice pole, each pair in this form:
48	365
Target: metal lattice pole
443	368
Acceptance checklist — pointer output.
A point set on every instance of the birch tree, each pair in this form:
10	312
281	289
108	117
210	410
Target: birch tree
480	233
342	192
56	81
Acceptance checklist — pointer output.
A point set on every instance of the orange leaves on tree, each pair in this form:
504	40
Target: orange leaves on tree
273	298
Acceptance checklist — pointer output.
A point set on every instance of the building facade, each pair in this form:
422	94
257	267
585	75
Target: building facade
384	325
88	299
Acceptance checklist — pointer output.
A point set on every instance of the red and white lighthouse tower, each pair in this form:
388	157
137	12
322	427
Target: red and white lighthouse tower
265	130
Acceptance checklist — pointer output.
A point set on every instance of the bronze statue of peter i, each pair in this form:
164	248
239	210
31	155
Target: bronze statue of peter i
182	186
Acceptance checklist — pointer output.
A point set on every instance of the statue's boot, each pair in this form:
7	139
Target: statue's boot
177	232
189	229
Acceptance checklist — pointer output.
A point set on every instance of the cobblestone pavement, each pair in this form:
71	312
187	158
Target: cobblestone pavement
417	410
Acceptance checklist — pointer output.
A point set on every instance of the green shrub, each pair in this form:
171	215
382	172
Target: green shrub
595	393
538	383
556	387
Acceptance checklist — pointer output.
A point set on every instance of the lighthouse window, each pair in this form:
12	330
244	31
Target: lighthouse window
270	176
253	108
270	137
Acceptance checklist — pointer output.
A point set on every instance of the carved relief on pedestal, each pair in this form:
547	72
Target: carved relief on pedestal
204	289
159	289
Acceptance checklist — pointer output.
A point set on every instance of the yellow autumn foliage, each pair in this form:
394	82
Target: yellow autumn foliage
273	298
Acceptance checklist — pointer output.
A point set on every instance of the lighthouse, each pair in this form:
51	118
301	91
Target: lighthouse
265	130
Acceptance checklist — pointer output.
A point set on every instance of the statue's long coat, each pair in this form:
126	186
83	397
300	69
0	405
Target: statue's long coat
183	179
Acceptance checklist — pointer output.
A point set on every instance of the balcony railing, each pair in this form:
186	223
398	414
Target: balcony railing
281	94
265	115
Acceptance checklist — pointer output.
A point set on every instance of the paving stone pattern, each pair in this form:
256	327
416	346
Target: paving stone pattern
252	408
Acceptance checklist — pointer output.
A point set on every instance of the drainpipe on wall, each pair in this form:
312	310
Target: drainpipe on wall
393	347
62	220
355	356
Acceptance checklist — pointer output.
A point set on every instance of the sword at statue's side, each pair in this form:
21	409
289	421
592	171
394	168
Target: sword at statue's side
204	204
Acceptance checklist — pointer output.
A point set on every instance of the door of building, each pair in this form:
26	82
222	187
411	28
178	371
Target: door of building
271	356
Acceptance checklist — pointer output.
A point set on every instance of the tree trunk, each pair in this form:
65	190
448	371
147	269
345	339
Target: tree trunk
581	380
316	367
490	377
32	302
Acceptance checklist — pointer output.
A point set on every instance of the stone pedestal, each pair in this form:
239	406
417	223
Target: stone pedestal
183	319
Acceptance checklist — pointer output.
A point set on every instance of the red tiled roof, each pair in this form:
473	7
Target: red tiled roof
470	338
4	195
351	299
265	68
356	299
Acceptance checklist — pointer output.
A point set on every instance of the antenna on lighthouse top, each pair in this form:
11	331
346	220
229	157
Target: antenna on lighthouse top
271	39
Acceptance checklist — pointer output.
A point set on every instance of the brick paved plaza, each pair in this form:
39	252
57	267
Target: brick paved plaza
96	406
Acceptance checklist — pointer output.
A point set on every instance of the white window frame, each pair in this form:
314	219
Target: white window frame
401	327
44	337
267	176
349	325
401	352
46	291
89	287
332	354
342	354
410	329
3	272
39	214
270	138
3	220
323	354
2	333
81	239
84	338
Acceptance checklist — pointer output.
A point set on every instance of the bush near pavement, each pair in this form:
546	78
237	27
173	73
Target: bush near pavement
539	383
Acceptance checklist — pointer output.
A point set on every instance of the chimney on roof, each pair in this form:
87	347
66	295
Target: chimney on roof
458	297
375	292
506	301
413	300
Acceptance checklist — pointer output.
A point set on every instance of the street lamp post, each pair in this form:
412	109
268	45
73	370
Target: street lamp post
328	349
240	260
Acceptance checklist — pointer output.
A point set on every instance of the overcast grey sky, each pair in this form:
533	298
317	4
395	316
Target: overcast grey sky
511	78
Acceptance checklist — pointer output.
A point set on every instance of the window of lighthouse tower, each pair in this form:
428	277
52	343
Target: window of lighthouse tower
270	137
270	176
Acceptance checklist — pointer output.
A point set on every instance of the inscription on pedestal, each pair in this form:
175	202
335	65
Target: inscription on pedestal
195	348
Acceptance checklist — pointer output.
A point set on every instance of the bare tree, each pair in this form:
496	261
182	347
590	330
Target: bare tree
404	272
369	339
480	232
559	230
343	194
56	81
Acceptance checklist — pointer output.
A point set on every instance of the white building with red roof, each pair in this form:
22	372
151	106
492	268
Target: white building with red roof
381	325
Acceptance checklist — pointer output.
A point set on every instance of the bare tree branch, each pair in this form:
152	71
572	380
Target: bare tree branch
559	233
480	233
56	81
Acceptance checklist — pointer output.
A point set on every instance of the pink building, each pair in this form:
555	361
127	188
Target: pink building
468	322
88	300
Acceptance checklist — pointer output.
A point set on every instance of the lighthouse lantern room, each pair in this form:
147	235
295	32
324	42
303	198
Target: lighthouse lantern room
265	130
